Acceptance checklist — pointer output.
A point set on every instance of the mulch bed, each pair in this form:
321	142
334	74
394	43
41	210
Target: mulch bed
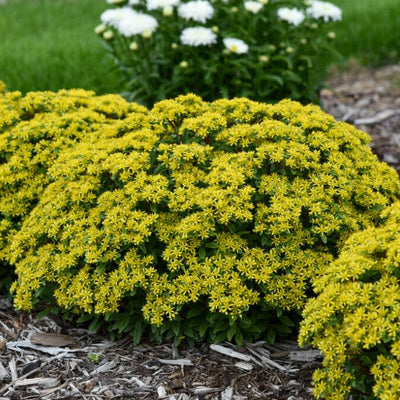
48	359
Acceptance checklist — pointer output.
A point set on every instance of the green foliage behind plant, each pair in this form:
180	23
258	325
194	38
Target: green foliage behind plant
228	207
263	50
355	319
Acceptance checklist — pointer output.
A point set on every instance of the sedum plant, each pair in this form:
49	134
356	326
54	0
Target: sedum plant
201	220
34	130
264	50
355	318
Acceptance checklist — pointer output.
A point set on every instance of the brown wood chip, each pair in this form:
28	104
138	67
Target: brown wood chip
53	339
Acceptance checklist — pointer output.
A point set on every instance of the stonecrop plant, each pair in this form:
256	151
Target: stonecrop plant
355	319
34	130
265	50
194	215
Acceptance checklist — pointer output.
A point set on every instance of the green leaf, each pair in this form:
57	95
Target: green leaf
124	322
324	238
84	318
96	325
45	312
231	332
270	336
177	341
239	337
195	311
93	358
220	337
203	328
138	332
176	327
245	322
286	320
202	253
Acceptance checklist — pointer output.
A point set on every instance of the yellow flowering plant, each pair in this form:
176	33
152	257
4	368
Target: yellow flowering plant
260	49
197	220
355	318
34	130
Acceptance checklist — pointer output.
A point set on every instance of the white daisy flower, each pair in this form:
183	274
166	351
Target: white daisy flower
133	2
198	10
237	46
114	16
325	10
198	36
161	4
253	6
291	15
137	24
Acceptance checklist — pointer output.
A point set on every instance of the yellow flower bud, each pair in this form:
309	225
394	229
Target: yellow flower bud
289	50
215	29
234	10
174	46
133	46
184	64
108	35
263	58
100	29
303	41
168	11
147	34
331	35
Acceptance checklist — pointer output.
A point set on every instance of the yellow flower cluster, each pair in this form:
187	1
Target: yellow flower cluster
38	128
230	202
355	318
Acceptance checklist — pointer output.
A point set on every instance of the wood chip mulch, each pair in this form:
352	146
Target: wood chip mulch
370	100
43	359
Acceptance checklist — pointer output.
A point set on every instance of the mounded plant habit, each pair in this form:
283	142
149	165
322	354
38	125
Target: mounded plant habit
220	208
34	130
355	318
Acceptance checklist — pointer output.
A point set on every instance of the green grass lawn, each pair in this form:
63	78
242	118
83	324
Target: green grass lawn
50	44
369	31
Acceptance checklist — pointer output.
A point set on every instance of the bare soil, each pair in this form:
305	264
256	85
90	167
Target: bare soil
49	359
